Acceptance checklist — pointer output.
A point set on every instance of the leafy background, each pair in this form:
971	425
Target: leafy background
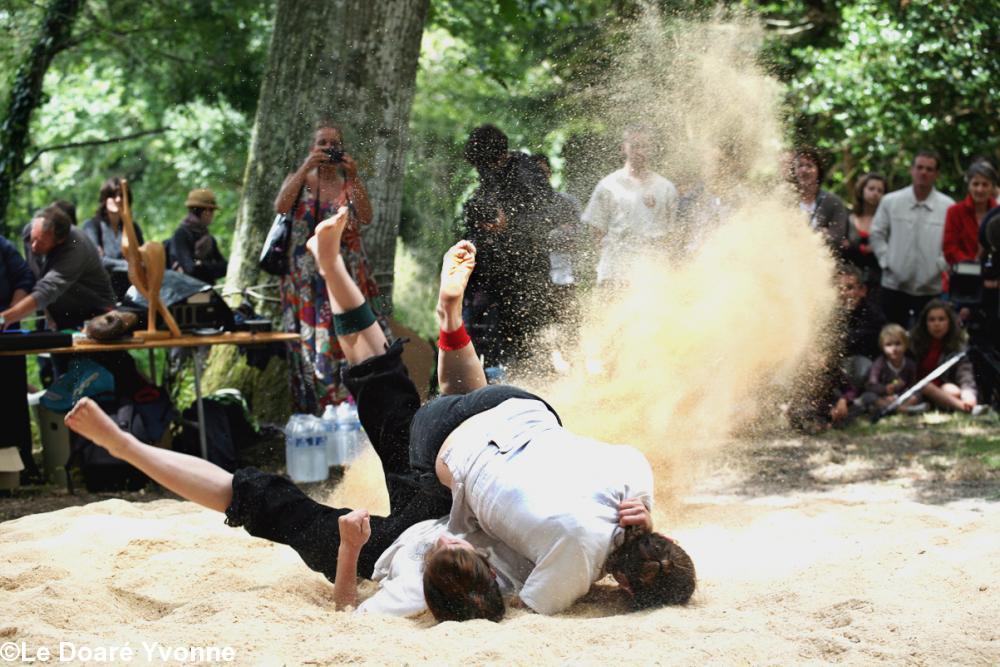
867	81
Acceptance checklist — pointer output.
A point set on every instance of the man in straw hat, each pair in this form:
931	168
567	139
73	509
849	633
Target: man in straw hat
192	250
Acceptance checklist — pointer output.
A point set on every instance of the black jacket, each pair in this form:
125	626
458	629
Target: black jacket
181	254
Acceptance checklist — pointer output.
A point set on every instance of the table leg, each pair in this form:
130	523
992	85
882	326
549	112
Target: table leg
201	408
152	366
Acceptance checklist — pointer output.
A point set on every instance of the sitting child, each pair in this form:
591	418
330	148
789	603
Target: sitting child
893	372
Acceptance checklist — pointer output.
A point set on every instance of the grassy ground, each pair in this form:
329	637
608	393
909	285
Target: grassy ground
941	457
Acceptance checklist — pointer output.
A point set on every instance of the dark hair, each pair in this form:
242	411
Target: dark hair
542	158
852	271
485	146
68	207
459	585
111	188
927	152
658	571
920	338
811	154
983	169
54	220
859	190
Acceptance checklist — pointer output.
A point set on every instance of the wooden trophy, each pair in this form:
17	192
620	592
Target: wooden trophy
146	266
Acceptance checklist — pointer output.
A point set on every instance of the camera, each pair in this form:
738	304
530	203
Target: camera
334	154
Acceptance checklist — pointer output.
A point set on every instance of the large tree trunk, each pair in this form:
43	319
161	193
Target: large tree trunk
26	94
352	61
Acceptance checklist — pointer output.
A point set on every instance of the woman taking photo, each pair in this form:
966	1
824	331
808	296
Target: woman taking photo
868	192
326	180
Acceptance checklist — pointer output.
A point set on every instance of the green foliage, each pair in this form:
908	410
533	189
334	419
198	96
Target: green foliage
506	62
895	77
190	69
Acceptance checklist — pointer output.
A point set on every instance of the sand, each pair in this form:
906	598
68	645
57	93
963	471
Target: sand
824	563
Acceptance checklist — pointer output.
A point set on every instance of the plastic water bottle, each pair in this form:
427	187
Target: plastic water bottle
305	449
334	453
360	437
357	439
345	433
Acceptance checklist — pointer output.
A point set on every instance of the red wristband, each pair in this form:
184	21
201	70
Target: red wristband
449	341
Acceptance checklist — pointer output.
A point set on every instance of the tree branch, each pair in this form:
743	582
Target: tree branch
93	142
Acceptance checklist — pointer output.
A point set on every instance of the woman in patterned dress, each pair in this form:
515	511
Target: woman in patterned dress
327	180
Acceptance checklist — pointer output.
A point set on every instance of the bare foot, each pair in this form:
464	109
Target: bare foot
456	268
324	244
87	419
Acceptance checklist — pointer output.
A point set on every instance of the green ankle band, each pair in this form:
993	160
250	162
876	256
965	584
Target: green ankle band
353	321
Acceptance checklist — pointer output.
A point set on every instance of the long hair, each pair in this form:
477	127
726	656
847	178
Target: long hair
657	569
459	585
920	338
859	190
111	188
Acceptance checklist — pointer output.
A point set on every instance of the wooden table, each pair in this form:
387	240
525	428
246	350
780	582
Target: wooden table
86	346
229	338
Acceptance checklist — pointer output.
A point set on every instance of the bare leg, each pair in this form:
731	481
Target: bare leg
459	371
344	294
190	477
942	398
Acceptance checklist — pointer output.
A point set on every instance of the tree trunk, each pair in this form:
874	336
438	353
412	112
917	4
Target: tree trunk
354	62
26	94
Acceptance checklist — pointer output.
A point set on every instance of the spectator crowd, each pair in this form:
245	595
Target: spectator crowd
915	268
915	274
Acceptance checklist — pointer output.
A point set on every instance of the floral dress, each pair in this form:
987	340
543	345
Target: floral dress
315	359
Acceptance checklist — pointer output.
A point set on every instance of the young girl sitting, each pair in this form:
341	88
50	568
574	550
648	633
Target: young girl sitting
893	372
936	338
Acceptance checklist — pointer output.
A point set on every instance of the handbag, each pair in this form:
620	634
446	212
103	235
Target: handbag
274	254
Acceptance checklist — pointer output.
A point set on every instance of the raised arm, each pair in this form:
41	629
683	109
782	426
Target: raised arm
459	368
355	529
879	237
295	181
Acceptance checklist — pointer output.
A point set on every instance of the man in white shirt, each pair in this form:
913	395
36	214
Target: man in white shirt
906	238
631	208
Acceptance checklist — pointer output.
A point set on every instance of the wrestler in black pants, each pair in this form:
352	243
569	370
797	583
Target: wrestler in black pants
272	507
406	437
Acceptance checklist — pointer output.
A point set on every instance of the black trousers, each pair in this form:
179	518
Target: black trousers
272	507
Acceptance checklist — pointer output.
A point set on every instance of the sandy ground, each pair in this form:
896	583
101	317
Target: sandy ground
807	552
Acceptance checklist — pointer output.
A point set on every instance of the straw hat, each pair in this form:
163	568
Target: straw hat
201	198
